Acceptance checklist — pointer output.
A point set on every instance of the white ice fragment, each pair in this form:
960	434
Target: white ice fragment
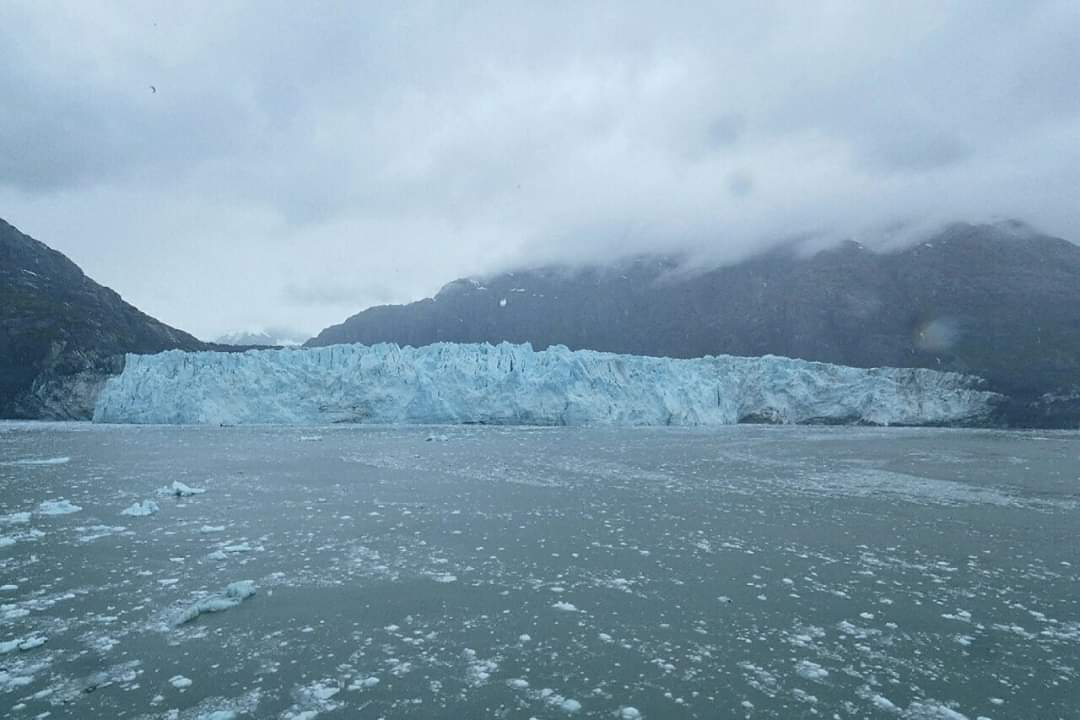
57	507
38	461
565	606
237	548
569	705
141	509
811	670
19	518
883	703
629	713
34	641
234	594
179	489
179	682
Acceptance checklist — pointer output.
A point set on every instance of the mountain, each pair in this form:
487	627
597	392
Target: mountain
999	301
258	337
62	334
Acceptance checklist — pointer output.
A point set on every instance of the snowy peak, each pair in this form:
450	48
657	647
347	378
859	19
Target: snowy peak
269	337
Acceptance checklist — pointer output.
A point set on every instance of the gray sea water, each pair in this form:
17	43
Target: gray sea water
476	572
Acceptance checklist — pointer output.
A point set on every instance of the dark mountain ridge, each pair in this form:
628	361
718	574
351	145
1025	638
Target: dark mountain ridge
62	334
1000	301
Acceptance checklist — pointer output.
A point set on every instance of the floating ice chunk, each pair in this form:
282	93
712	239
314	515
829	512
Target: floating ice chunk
180	682
554	699
237	548
570	705
811	670
518	683
38	461
933	711
179	489
212	528
141	509
12	612
34	641
234	594
313	699
629	713
219	715
19	518
437	438
57	507
444	578
364	683
883	703
565	606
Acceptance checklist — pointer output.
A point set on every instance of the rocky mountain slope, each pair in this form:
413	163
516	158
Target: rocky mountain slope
61	333
999	301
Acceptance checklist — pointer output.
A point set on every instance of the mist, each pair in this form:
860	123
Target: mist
267	164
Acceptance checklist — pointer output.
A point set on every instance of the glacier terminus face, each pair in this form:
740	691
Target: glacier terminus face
508	384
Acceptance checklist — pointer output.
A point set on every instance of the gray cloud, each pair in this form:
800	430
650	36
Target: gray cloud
297	163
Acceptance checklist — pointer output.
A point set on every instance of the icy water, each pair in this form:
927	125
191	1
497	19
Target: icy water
552	573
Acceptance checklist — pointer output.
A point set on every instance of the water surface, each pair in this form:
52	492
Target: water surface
470	572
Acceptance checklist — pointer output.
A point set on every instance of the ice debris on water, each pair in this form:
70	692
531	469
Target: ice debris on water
234	594
180	682
24	644
811	670
30	462
140	509
507	384
179	489
57	507
313	699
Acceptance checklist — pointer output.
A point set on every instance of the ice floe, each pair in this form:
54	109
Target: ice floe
57	507
141	509
234	594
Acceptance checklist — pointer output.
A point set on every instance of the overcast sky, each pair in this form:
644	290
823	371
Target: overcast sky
300	161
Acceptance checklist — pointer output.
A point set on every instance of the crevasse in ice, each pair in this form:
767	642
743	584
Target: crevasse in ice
514	384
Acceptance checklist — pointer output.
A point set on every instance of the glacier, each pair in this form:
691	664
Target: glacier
507	384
